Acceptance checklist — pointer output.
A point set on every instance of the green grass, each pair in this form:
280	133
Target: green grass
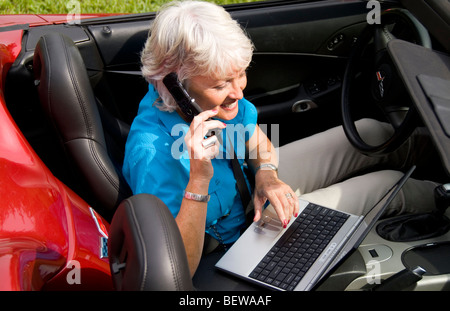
87	6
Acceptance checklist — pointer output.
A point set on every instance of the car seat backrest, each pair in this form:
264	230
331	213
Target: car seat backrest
68	100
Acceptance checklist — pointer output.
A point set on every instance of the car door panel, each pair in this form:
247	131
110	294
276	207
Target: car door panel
300	56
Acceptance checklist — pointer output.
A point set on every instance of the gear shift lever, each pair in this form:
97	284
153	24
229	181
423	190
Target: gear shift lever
419	226
442	198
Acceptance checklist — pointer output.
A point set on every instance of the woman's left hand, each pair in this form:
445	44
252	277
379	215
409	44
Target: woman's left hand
269	187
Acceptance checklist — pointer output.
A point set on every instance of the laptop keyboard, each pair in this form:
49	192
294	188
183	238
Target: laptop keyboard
297	249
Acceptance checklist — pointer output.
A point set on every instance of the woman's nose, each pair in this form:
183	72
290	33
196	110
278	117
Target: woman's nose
237	88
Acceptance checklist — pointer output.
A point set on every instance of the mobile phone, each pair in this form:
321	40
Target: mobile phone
187	104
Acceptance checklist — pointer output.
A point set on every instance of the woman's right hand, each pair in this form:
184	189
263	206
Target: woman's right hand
199	155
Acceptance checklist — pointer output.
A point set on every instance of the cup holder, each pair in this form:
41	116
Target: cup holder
433	257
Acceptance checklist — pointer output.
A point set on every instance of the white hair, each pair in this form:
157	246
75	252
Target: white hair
193	38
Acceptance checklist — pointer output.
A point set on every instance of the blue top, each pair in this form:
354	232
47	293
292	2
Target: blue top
157	162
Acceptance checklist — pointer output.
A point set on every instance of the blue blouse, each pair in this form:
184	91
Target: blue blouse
156	162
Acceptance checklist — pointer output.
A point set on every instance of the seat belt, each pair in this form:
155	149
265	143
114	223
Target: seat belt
242	185
240	181
238	173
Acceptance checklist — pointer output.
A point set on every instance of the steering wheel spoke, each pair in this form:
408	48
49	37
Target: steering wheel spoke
382	36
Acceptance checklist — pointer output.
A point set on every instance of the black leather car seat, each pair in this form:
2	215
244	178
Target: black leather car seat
93	139
145	248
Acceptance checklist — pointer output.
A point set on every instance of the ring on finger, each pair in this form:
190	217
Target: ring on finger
289	195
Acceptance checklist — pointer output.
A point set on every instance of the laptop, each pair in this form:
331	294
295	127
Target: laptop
296	258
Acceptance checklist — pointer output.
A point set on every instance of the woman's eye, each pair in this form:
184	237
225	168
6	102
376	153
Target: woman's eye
220	87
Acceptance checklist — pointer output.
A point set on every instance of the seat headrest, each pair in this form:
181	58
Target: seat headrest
145	248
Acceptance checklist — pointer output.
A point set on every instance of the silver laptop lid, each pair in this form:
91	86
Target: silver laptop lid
256	242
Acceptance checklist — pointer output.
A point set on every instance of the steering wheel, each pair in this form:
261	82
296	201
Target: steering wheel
386	87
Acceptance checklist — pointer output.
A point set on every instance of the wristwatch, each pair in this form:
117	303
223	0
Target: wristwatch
196	197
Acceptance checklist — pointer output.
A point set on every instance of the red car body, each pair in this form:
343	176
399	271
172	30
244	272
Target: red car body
50	239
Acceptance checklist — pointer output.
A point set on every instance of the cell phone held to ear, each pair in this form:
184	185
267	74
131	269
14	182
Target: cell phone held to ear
189	108
186	103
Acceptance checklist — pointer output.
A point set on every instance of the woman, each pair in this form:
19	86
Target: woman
172	159
210	53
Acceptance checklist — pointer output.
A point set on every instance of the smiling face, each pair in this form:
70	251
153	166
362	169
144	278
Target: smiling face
220	93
